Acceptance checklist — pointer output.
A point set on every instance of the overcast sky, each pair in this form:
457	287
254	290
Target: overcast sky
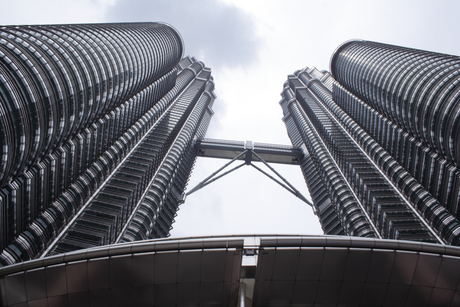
251	46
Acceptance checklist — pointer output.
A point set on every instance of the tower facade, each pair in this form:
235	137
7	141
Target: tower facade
96	128
100	126
383	134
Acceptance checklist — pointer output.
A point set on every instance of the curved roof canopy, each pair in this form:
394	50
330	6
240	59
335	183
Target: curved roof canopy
276	270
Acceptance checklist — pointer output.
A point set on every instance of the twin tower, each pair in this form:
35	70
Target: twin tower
98	126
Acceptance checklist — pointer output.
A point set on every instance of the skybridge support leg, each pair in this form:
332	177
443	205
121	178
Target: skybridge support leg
248	152
205	181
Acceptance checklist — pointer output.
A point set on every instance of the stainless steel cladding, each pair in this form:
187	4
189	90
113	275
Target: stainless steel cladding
382	137
88	114
409	101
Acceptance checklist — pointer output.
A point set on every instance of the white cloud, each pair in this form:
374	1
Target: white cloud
221	34
53	11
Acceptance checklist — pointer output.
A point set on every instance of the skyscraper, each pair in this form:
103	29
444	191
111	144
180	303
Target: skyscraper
101	124
383	133
96	128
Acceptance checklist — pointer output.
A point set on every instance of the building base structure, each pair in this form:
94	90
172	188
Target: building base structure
241	270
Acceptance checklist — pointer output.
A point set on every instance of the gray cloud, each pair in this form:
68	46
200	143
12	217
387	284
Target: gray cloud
214	32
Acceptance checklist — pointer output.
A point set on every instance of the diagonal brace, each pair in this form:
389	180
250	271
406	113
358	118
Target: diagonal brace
247	152
208	180
204	183
292	190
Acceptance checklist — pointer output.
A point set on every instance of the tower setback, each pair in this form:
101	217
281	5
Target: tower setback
96	125
383	133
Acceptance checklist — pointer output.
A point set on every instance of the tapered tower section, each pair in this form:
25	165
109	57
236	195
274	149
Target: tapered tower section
408	100
93	118
382	132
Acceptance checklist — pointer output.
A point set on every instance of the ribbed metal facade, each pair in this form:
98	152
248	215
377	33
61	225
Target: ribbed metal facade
383	133
413	101
95	120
